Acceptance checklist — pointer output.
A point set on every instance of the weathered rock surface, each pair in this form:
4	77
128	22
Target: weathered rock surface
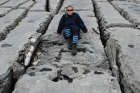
108	16
6	81
3	2
55	67
39	6
138	1
129	10
123	49
14	46
78	5
21	34
40	78
54	5
134	1
4	11
9	22
14	3
27	5
31	48
120	44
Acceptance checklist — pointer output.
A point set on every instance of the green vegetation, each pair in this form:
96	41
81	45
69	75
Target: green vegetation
33	0
17	21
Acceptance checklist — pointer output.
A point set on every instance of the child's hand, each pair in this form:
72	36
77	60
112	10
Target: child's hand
88	31
55	32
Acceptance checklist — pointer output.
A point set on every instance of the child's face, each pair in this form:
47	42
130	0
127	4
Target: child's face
70	10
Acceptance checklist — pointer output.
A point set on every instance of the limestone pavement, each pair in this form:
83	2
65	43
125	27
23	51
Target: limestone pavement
35	60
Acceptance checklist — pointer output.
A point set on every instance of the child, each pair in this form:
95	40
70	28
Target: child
71	28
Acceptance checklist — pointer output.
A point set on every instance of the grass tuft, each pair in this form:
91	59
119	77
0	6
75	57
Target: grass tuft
17	21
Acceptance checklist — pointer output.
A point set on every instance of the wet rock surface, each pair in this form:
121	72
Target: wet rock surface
35	60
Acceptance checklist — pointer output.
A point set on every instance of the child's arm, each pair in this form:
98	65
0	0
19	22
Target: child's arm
60	26
81	24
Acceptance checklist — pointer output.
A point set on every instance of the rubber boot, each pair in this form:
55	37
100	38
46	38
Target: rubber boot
69	44
74	46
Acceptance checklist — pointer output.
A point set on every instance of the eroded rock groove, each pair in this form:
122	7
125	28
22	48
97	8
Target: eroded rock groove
114	49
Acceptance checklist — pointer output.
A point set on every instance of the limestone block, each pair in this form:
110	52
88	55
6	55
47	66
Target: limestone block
4	11
78	5
14	3
124	47
9	21
110	17
3	2
27	5
39	6
58	68
6	81
129	10
40	78
54	6
12	45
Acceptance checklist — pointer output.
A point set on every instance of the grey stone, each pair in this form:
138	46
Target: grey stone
102	1
56	56
14	3
6	81
104	65
3	2
126	58
53	68
33	43
18	70
39	6
54	6
129	10
112	58
86	14
138	1
27	5
78	5
110	17
4	11
8	20
134	1
21	34
89	83
51	28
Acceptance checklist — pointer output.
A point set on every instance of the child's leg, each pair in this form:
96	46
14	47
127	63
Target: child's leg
75	35
67	33
75	39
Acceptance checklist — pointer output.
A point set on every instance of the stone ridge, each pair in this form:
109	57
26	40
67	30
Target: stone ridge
35	60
